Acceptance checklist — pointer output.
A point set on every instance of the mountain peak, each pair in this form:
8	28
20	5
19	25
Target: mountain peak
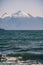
20	14
4	15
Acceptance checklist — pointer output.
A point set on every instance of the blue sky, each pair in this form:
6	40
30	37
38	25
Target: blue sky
34	7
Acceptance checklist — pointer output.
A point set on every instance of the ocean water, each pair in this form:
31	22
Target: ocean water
21	41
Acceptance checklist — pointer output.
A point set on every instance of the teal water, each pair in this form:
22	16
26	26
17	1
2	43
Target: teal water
21	41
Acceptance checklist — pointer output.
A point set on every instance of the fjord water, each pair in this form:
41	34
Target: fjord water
21	41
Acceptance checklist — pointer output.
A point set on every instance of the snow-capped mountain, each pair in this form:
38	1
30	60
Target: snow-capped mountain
17	14
20	14
21	21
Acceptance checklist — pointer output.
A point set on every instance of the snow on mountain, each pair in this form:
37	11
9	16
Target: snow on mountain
4	15
17	14
20	14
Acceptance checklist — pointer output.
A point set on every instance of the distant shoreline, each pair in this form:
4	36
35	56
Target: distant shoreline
19	30
2	29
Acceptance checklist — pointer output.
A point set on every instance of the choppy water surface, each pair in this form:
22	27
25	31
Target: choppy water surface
21	41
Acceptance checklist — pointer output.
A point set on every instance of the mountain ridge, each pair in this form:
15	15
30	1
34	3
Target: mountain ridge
17	14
